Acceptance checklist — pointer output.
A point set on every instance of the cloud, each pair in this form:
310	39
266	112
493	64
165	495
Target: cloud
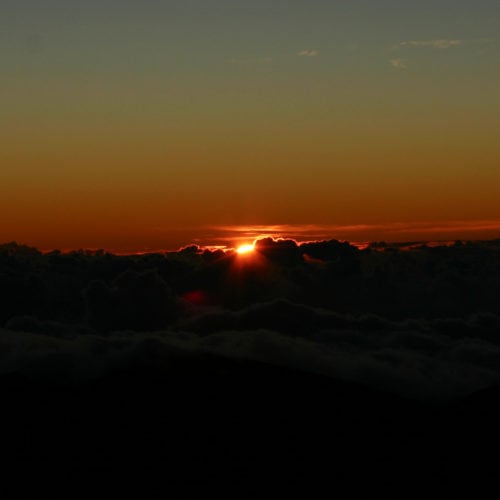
440	43
406	358
308	53
398	63
232	235
409	318
181	361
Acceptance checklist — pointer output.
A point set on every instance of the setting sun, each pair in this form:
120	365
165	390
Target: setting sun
245	249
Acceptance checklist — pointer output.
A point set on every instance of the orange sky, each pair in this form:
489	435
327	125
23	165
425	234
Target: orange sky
142	129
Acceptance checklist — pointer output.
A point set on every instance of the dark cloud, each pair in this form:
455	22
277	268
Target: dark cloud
416	363
412	319
133	300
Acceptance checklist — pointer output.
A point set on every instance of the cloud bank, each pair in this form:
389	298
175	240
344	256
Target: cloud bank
411	319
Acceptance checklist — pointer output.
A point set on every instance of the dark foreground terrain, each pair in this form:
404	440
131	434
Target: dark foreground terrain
247	429
316	369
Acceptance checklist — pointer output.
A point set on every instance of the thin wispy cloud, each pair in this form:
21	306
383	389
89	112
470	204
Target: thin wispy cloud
398	63
417	226
440	43
308	53
392	231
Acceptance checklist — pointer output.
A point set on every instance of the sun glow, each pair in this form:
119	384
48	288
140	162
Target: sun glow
245	249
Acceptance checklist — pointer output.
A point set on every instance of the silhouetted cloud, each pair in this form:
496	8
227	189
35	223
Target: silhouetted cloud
420	363
410	318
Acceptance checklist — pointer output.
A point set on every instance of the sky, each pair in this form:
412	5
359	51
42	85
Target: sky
150	124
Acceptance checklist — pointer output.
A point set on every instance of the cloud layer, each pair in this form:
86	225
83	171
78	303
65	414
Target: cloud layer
412	319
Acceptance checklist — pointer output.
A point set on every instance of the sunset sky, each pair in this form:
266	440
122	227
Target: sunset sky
149	124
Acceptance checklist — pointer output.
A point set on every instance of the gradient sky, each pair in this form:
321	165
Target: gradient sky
138	124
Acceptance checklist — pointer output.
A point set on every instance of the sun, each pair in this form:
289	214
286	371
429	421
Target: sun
245	249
